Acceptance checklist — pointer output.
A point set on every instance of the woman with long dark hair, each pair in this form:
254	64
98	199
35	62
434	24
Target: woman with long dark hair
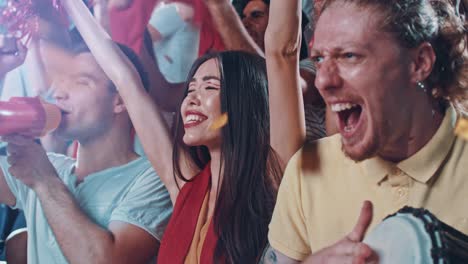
223	167
240	150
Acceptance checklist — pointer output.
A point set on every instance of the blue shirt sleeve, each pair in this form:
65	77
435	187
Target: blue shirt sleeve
147	205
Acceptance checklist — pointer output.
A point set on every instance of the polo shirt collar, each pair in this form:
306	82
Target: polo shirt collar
423	165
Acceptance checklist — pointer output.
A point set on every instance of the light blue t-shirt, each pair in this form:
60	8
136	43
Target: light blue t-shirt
131	193
178	49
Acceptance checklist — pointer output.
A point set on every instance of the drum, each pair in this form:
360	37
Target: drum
415	236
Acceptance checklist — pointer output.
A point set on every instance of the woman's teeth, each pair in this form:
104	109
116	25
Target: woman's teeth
194	118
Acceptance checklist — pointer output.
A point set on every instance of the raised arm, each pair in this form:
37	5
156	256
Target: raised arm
282	46
230	27
144	113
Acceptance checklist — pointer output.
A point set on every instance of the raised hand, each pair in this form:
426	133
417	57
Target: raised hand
9	61
350	249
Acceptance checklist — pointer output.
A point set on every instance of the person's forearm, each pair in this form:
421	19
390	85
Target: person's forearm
282	42
80	240
272	256
101	12
284	31
231	29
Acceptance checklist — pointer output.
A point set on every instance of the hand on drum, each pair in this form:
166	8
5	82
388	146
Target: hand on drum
350	249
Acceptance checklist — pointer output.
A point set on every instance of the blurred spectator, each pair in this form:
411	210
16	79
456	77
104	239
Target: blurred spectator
176	39
255	16
128	20
13	235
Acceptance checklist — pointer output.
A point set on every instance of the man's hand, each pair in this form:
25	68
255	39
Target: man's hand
28	161
8	62
350	249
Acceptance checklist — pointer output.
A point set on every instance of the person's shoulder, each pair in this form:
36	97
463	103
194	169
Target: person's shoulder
143	163
318	158
59	157
145	181
324	150
144	170
331	143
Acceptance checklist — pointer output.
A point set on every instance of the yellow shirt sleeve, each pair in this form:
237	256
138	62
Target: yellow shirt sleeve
287	230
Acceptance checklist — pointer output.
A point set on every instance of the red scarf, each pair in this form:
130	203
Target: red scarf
179	233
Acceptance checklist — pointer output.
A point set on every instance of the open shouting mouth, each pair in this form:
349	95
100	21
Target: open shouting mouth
349	117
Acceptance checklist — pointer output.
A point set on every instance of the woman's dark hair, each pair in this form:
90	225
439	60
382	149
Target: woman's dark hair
413	22
249	166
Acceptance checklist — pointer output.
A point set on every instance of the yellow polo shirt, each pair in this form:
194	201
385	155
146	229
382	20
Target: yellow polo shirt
321	194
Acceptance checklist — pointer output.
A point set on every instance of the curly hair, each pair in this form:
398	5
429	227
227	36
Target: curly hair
413	22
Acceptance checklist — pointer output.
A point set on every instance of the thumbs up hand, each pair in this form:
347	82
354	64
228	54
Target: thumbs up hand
350	249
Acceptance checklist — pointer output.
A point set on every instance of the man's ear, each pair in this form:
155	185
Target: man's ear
119	105
422	62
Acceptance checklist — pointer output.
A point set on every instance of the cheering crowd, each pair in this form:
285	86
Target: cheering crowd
251	131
